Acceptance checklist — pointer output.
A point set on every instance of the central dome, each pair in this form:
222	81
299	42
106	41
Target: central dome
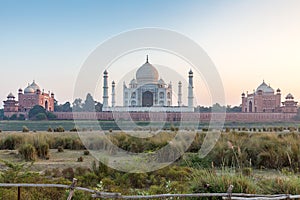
265	88
147	73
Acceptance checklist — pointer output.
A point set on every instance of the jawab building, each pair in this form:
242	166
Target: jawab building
265	100
31	96
147	92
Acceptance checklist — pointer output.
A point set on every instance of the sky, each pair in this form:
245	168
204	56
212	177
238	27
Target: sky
248	41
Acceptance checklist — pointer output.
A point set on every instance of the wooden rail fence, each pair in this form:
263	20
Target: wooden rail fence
107	195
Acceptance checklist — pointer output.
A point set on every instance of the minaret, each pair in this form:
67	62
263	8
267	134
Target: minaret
113	94
179	93
190	90
105	90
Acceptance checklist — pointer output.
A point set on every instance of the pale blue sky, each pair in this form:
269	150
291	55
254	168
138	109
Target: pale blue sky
248	40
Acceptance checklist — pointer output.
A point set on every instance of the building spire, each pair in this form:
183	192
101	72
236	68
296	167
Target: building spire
147	61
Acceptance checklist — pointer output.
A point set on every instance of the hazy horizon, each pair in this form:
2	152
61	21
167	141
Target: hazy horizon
248	41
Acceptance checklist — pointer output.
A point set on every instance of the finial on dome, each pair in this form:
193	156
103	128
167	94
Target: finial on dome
147	60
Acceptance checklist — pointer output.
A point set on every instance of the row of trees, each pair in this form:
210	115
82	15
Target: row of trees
89	105
218	108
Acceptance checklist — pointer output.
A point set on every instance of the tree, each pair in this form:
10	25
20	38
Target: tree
234	109
77	105
21	117
1	113
89	104
39	113
50	115
13	117
66	107
98	107
36	110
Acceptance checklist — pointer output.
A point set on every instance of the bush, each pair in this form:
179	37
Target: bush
74	129
86	152
25	129
43	151
50	129
59	129
80	159
12	142
60	149
28	152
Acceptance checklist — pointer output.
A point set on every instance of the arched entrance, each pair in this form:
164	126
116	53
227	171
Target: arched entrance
46	105
147	99
250	106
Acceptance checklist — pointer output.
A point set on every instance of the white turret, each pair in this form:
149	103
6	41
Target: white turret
113	94
105	90
190	90
179	93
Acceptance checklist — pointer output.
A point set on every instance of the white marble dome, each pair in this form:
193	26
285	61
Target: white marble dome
146	74
265	88
35	86
28	90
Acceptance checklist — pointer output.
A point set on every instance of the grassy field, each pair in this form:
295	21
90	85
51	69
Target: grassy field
12	125
254	162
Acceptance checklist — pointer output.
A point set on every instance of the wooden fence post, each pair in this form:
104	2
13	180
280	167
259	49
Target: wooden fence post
72	188
19	193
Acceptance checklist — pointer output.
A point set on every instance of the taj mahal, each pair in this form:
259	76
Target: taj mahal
147	92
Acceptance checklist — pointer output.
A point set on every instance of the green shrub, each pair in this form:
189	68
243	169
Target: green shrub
50	129
12	142
60	149
25	129
80	159
27	151
86	152
59	129
42	150
74	129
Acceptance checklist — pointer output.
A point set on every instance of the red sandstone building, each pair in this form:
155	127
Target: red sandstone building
265	100
31	96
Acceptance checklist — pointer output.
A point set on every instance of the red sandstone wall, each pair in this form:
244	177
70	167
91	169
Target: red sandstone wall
204	117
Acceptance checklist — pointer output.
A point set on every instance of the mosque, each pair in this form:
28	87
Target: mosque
31	96
147	92
265	100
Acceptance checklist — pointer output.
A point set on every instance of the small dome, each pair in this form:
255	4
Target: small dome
161	82
147	73
243	94
190	72
35	86
29	90
133	82
265	88
278	90
10	96
289	96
